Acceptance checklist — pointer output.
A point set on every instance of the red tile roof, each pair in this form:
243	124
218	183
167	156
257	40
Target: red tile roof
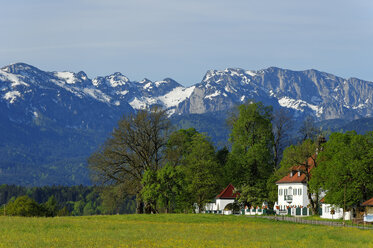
227	193
295	178
368	203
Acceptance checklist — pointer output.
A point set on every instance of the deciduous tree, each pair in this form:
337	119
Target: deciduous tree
136	145
345	169
251	160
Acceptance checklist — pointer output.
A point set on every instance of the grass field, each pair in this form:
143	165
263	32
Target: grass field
173	231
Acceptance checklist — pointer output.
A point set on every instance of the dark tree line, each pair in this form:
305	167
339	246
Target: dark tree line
62	200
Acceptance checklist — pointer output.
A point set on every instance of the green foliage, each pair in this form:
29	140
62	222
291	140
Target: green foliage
251	161
89	209
170	188
299	155
345	169
24	206
112	199
63	212
78	207
135	147
202	171
51	207
62	200
164	189
197	174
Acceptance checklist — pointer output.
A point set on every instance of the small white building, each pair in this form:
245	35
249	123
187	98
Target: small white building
329	211
225	197
292	194
368	215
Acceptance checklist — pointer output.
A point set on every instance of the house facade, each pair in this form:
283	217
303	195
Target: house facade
329	211
225	197
292	194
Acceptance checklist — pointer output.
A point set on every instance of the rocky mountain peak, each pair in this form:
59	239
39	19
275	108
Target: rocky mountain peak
308	92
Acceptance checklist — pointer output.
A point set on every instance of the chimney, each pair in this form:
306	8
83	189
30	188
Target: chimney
320	141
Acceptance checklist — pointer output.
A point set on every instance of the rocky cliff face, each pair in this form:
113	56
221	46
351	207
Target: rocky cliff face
307	92
28	91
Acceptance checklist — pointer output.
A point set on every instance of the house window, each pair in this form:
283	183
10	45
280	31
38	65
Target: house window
290	191
294	191
280	191
285	191
299	191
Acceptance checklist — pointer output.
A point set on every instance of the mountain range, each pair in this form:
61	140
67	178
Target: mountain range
52	121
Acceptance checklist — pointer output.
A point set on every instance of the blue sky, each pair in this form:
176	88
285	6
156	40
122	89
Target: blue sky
183	39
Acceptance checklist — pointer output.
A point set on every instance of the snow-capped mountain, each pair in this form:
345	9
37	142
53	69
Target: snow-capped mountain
28	89
309	92
52	121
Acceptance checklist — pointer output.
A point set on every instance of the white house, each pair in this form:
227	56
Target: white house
329	211
292	193
225	197
293	198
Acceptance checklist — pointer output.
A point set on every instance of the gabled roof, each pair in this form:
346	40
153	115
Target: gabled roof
293	179
227	193
368	202
289	178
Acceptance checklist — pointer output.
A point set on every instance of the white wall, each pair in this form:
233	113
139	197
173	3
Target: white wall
298	200
338	212
326	208
218	205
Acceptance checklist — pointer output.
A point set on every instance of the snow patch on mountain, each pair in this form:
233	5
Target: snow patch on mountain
158	83
169	100
116	81
123	92
251	73
142	102
176	96
299	105
11	96
97	94
215	94
360	106
14	79
148	86
66	76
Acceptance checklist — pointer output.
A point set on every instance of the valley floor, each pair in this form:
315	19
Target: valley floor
173	230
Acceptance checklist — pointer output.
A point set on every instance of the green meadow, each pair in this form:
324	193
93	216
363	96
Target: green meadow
173	230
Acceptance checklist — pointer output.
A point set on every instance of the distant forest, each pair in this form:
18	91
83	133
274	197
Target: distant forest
73	200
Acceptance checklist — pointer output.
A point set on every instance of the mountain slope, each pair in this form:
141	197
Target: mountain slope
52	121
309	92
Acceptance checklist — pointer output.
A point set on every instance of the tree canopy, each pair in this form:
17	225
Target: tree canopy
251	160
136	145
345	169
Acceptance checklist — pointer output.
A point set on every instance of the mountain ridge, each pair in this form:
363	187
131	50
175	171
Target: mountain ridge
321	94
52	121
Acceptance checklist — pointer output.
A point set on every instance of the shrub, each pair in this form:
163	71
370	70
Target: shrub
24	206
